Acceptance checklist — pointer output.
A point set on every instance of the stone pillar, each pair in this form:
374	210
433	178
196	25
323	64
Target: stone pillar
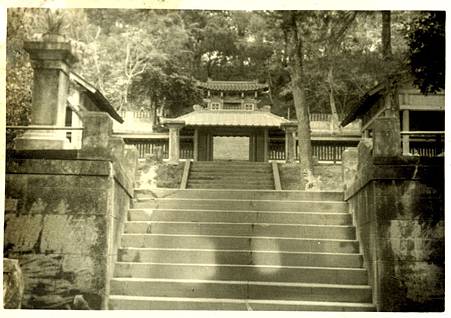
386	137
51	60
98	128
405	127
174	139
350	160
290	142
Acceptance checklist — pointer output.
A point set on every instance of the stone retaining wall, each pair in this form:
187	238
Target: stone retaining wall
63	220
398	208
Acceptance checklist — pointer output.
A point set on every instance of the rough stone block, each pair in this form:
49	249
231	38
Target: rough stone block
52	200
22	232
410	286
13	285
349	165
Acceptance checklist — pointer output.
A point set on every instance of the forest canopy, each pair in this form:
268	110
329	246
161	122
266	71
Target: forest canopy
149	59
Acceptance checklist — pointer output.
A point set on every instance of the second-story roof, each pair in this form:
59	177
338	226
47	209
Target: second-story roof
259	118
238	86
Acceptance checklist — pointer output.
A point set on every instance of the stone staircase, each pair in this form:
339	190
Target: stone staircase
240	250
230	175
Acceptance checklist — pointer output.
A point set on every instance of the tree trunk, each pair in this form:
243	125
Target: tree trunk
333	106
391	87
296	69
386	35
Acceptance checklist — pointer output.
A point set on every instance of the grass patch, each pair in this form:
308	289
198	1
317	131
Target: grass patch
155	173
330	176
169	176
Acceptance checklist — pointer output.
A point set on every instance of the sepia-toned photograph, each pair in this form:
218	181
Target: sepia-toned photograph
232	160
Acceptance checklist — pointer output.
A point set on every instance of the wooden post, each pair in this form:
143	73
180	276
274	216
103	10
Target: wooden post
266	144
405	127
196	144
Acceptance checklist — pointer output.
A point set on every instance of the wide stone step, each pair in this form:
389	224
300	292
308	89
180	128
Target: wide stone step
233	182
240	216
240	290
242	194
232	177
180	303
243	229
300	274
240	243
244	257
230	168
229	163
246	205
228	185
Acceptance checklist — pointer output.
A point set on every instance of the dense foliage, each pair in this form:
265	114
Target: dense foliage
427	50
152	59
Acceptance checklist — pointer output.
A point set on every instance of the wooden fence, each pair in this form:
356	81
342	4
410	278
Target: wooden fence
186	149
151	146
320	117
323	151
160	146
426	149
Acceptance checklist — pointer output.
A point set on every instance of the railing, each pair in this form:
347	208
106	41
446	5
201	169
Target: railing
320	117
276	150
325	151
423	143
328	152
157	147
186	149
137	114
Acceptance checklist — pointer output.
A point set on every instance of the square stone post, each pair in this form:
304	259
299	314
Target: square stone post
290	143
386	137
174	139
98	128
51	60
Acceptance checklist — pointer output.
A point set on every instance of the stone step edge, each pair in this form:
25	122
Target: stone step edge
149	249
143	199
243	223
244	237
235	190
235	211
239	282
350	269
239	301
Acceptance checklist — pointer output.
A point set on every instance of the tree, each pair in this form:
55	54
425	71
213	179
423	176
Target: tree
293	25
426	40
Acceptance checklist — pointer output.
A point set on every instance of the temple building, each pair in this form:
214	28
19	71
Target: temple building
234	124
231	109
